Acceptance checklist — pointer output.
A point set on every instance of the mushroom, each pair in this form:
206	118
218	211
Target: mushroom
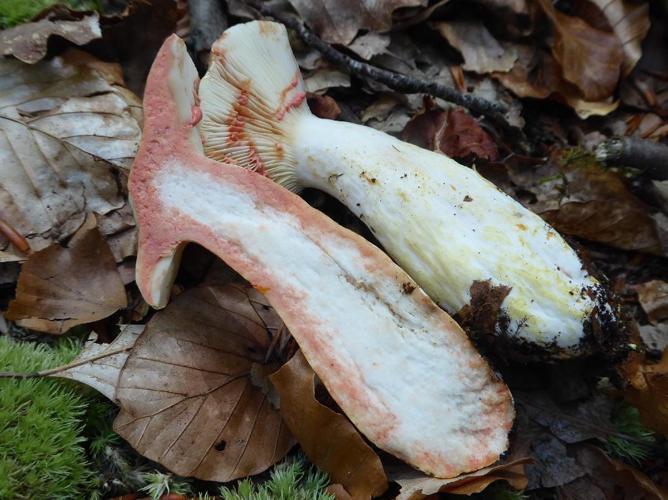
401	369
447	226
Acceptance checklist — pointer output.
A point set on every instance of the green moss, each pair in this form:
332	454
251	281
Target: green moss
13	12
41	453
288	481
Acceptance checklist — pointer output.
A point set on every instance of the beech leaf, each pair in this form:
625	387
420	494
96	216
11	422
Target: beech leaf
69	131
339	22
193	392
62	287
328	438
28	42
648	391
589	58
653	297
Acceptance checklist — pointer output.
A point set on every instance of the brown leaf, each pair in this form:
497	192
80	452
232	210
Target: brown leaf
69	131
653	297
630	22
194	393
62	287
482	53
648	390
589	58
339	21
28	42
482	314
453	132
416	485
614	478
328	438
578	197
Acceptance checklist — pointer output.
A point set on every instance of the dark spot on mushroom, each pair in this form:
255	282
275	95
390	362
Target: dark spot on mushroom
370	180
407	288
468	198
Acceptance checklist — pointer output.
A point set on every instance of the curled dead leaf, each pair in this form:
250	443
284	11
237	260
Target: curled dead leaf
416	485
28	42
481	316
62	287
328	438
193	392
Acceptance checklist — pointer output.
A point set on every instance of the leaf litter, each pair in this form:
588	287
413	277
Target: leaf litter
71	113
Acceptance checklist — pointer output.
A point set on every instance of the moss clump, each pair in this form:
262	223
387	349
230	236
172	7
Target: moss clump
13	12
288	481
40	426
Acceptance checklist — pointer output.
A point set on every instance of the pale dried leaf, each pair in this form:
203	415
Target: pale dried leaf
99	365
62	287
482	53
191	390
339	21
68	130
323	79
653	297
370	44
28	42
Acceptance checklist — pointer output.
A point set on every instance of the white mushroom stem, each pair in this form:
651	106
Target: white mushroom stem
401	369
443	223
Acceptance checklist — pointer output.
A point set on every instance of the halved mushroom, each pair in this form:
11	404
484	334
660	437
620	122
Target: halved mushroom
447	226
401	369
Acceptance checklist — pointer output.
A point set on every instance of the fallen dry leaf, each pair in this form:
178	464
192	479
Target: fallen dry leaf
69	132
28	42
99	365
453	132
482	314
323	106
612	478
589	58
338	22
630	23
194	393
328	438
482	53
416	485
648	390
62	287
653	297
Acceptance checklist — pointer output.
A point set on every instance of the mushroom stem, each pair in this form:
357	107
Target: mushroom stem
442	222
400	368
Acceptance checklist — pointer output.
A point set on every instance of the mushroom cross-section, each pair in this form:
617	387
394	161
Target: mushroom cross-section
447	226
400	368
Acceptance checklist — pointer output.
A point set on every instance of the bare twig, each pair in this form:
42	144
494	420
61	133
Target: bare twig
397	81
650	156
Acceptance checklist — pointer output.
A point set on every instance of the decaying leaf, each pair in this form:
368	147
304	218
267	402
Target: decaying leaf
415	485
648	390
193	392
589	58
69	130
61	287
580	198
482	53
653	297
327	437
339	22
453	132
28	42
630	22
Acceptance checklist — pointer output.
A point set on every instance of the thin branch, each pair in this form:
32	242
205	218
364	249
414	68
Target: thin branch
650	156
397	81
